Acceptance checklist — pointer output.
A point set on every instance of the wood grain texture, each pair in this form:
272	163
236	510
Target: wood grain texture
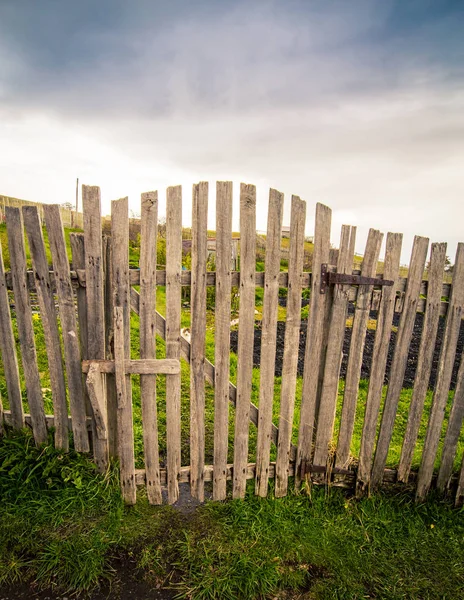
94	291
379	361
14	226
78	262
148	234
315	344
33	227
9	357
291	346
121	299
453	431
146	366
358	337
110	384
245	335
222	336
425	358
268	340
444	372
69	329
96	390
460	488
171	334
198	339
329	393
400	357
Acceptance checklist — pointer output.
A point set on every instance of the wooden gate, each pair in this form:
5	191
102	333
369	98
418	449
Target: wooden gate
304	426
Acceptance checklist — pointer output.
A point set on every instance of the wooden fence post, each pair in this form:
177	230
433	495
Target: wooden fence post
68	325
46	300
198	339
291	345
14	225
314	352
172	336
94	289
268	340
245	335
379	361
149	225
222	335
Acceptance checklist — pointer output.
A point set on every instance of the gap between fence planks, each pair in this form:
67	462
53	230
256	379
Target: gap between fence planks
291	346
170	329
400	357
245	336
453	430
315	350
148	234
268	340
425	358
198	339
9	356
222	336
33	227
358	337
121	299
67	313
379	361
15	231
336	334
444	373
93	251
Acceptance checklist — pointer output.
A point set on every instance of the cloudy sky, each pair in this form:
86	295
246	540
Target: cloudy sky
356	104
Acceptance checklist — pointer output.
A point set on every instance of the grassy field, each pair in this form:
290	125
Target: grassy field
63	525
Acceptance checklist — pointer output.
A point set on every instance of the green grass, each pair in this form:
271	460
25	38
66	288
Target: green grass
64	525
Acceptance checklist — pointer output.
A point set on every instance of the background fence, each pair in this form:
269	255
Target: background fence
139	377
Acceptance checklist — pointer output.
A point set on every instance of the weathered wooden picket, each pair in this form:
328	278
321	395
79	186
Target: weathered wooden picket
86	318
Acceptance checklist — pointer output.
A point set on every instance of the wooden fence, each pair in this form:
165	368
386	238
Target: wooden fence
86	311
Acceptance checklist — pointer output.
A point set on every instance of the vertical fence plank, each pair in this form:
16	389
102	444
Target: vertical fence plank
198	339
110	383
94	290
46	300
400	357
460	488
379	360
453	430
444	372
173	346
245	335
315	347
291	345
121	298
14	225
326	418
268	340
149	225
222	335
358	337
68	326
425	359
78	262
9	357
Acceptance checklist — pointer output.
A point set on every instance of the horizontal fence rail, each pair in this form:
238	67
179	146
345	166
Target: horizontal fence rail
153	343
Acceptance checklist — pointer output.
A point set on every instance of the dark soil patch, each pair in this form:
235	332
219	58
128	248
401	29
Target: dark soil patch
368	349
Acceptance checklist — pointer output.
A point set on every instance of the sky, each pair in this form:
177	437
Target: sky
355	104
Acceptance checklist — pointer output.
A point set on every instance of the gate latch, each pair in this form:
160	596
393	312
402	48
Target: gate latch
330	278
